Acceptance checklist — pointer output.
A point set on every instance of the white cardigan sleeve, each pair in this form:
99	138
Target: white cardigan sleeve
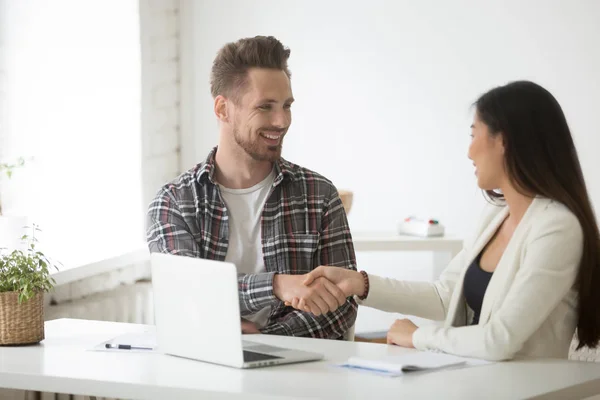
547	274
422	299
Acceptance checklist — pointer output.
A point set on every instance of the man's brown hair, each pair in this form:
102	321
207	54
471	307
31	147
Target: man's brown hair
230	67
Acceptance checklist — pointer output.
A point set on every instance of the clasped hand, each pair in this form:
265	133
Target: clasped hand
319	296
330	287
322	290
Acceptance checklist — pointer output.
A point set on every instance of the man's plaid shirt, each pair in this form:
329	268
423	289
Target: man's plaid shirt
303	226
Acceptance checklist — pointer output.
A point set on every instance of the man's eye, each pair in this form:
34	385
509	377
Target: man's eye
265	107
287	106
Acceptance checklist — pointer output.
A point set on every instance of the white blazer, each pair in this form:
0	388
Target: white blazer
530	306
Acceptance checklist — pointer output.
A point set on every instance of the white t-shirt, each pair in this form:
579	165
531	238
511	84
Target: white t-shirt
244	208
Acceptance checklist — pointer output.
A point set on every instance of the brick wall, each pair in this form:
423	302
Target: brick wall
159	25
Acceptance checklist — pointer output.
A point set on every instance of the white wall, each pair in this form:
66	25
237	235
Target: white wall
383	93
108	140
73	111
3	70
384	89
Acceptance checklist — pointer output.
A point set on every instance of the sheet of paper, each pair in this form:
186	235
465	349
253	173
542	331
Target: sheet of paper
408	363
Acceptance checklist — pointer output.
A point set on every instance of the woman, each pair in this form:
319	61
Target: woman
531	275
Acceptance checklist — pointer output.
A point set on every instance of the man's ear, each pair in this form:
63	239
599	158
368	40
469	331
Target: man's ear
220	108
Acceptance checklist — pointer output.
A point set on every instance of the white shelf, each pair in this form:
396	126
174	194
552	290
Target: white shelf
71	274
389	241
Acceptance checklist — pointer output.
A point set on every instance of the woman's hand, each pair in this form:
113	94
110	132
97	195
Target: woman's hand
348	281
401	333
320	297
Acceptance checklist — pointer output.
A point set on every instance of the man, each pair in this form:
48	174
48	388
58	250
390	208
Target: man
245	204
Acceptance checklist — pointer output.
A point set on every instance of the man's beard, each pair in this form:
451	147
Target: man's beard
253	148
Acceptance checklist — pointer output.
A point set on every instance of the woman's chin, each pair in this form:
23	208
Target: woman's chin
484	185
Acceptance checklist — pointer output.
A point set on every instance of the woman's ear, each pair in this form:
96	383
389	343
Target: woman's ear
499	139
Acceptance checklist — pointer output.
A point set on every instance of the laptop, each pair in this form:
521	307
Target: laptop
197	315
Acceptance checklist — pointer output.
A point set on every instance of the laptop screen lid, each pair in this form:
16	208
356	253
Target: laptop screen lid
196	308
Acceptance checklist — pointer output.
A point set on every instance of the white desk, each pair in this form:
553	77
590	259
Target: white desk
443	248
63	364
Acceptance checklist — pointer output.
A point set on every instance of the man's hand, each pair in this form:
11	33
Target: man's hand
348	281
320	298
401	333
249	327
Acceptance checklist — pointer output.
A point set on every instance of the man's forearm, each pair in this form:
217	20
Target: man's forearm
264	289
277	286
256	292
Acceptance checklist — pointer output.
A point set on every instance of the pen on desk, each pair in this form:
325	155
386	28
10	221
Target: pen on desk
125	347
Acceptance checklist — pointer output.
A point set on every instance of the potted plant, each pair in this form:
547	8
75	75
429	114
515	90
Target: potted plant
24	278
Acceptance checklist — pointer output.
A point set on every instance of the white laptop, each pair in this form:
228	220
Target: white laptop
197	315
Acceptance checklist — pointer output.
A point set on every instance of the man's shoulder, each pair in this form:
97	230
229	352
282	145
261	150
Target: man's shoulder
184	185
302	175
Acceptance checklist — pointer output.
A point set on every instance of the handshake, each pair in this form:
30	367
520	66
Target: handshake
322	290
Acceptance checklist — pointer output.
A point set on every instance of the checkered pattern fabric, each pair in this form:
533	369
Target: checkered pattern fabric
303	223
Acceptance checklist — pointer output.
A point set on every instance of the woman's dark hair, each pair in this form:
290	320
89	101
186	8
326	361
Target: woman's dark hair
541	159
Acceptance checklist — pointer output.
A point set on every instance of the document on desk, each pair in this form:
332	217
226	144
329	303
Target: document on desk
422	361
130	342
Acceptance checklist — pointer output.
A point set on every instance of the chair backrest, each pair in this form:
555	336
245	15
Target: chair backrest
583	354
349	335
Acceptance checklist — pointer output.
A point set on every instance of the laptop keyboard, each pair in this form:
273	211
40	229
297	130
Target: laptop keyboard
250	356
262	348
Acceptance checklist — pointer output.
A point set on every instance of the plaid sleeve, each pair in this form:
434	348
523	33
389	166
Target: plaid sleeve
335	249
256	292
168	232
166	229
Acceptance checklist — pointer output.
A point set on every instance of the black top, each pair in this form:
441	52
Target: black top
475	285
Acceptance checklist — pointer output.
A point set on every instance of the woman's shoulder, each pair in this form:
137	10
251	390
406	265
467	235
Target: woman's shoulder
553	217
544	217
543	210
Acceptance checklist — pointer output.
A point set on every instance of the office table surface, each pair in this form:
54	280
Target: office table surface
63	363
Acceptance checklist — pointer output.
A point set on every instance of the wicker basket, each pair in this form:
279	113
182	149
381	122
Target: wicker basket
21	323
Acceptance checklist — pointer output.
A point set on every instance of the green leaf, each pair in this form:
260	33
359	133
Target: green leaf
26	272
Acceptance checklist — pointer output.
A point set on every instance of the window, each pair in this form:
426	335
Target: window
72	108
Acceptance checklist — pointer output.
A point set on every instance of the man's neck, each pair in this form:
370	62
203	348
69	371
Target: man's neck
237	170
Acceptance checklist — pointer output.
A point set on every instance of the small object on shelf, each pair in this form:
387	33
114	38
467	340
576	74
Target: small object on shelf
414	226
